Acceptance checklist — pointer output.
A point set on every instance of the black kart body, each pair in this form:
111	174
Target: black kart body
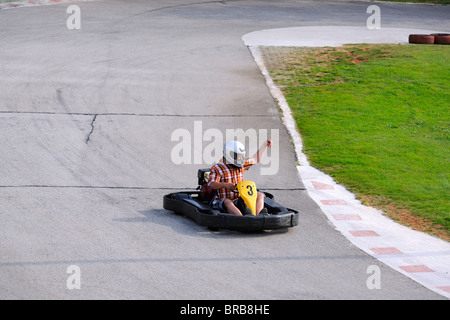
192	205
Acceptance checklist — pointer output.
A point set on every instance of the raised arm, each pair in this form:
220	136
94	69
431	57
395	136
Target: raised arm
258	155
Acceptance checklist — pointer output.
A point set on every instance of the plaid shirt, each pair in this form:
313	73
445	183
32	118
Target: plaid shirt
222	172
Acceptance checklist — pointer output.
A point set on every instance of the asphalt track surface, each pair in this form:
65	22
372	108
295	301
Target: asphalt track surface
86	118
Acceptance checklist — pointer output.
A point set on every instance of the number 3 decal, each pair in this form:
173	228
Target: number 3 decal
250	190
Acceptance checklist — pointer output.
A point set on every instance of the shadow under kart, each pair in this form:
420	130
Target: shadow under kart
191	204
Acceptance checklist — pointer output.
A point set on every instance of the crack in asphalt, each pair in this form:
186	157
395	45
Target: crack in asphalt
131	114
224	2
90	187
279	259
92	129
129	188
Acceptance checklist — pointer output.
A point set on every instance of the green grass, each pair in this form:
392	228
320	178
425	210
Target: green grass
376	118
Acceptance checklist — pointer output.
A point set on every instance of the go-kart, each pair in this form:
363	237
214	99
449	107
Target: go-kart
196	205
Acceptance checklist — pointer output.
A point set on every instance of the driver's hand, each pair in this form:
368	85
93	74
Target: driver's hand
230	186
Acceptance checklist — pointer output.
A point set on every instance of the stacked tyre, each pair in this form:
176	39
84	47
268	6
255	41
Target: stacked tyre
435	38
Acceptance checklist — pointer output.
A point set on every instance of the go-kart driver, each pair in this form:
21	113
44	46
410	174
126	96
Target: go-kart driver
226	174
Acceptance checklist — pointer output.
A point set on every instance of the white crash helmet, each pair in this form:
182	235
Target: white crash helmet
234	153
